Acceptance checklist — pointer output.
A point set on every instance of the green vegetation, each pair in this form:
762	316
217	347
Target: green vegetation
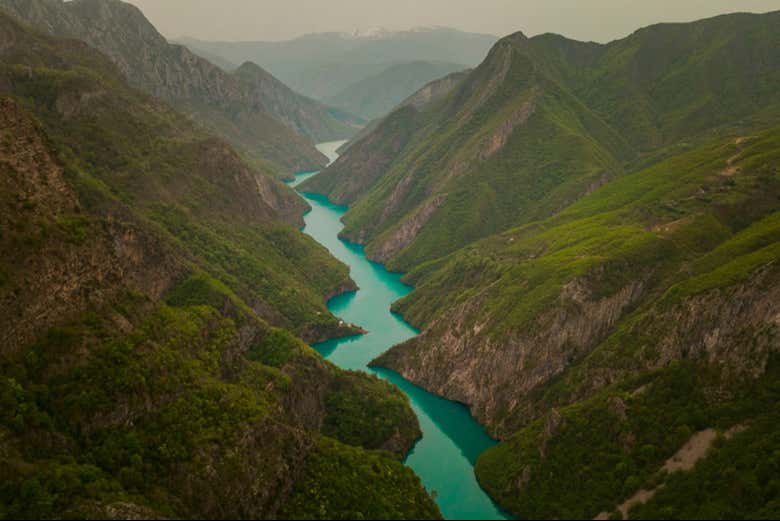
132	416
74	228
739	480
368	412
334	487
140	373
543	122
273	266
605	449
114	412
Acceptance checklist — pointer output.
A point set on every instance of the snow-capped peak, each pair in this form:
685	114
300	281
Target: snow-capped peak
374	33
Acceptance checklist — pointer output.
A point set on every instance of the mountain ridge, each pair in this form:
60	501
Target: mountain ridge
376	96
322	65
149	285
217	100
591	231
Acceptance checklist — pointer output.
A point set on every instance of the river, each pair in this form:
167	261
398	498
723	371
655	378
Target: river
452	440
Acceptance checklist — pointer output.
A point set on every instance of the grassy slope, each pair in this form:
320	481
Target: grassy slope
163	392
622	224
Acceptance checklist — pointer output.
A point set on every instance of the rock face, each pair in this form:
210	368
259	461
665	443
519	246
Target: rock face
67	275
139	377
216	99
455	358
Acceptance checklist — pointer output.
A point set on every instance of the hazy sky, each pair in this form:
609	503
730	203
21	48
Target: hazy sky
600	20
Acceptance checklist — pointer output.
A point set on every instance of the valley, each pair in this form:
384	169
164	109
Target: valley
415	273
451	440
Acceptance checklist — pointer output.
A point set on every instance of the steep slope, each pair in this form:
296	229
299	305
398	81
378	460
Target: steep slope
219	61
376	96
304	115
377	145
473	161
544	121
668	276
322	65
138	377
592	231
215	99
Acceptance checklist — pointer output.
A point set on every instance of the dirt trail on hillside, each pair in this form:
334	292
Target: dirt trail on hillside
694	450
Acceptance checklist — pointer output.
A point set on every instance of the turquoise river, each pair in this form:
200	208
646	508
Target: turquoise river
452	440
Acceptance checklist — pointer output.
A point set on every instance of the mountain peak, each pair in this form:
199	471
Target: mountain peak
372	33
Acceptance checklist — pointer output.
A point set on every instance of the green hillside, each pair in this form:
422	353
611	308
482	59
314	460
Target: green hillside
544	121
592	234
675	264
149	285
271	126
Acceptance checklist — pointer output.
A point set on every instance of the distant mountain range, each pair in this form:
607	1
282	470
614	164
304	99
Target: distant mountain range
325	65
377	95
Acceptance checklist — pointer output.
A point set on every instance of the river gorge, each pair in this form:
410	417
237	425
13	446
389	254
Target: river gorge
452	440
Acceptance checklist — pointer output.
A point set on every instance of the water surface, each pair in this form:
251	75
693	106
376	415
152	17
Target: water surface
452	440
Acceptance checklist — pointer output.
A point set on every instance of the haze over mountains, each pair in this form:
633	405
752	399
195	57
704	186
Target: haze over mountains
274	129
342	69
592	232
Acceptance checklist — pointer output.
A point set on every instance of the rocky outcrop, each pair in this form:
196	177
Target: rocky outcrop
79	263
493	376
500	136
407	232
